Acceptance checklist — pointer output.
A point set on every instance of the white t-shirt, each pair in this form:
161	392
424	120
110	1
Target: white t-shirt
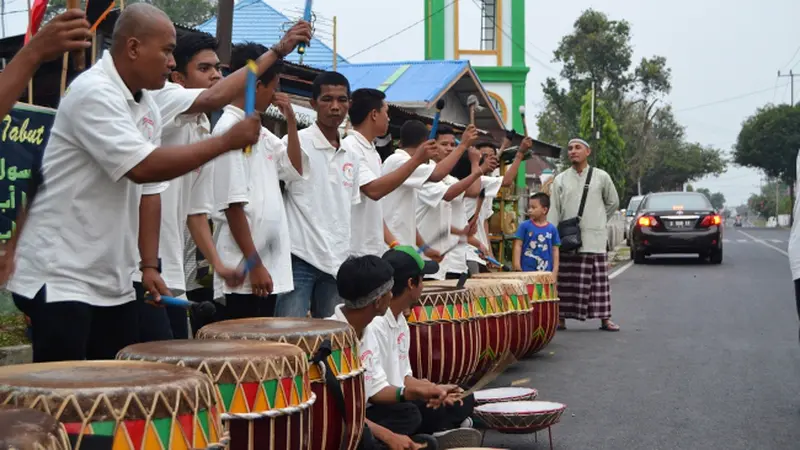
492	186
189	194
369	351
319	205
366	227
434	215
81	236
400	206
794	237
253	180
456	260
394	342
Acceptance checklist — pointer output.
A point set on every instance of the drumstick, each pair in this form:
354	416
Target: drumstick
436	238
78	56
250	95
301	49
247	264
435	126
497	368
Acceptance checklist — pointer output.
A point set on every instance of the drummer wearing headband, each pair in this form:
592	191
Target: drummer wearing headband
450	424
365	286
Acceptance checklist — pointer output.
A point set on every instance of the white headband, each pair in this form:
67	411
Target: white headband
579	141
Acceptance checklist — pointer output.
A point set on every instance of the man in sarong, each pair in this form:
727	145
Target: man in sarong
583	284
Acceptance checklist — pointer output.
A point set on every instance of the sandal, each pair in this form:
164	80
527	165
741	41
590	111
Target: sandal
561	326
609	326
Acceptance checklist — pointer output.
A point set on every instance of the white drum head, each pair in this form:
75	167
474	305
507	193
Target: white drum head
525	407
487	395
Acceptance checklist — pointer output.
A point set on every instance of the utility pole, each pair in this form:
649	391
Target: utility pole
224	30
791	76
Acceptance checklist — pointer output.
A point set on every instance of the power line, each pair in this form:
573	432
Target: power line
402	31
792	58
728	99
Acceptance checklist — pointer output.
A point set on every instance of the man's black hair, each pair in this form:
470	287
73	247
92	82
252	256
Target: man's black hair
444	130
328	79
484	144
413	133
190	44
359	276
241	53
543	199
364	101
401	283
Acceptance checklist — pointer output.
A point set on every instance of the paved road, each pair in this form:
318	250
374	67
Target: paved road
708	358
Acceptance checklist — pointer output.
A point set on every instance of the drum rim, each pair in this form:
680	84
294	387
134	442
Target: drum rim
486	400
480	409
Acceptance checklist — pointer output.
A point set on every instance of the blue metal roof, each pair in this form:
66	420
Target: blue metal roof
416	81
256	21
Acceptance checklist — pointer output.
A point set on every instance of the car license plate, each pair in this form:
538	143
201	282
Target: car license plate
682	223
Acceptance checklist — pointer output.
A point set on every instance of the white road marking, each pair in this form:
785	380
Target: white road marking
777	241
619	271
726	241
766	244
743	241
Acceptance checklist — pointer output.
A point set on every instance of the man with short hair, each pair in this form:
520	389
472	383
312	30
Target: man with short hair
369	115
77	253
583	284
365	286
319	206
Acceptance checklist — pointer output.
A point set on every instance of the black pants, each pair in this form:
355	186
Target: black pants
74	331
243	306
444	418
204	295
159	323
452	276
400	418
797	299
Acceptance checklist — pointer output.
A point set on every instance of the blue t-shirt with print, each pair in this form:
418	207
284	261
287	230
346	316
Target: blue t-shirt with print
537	246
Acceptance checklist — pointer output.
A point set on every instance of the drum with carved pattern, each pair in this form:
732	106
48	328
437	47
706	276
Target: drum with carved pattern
120	405
543	298
28	429
335	425
445	336
263	388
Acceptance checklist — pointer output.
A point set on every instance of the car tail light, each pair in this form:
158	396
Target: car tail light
647	221
711	220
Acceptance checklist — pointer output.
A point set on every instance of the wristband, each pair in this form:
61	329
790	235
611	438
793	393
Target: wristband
394	244
424	247
157	267
399	395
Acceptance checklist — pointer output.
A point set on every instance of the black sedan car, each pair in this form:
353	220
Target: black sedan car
676	222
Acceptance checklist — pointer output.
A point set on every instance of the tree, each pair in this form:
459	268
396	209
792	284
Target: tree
189	13
763	203
609	150
717	199
770	140
689	188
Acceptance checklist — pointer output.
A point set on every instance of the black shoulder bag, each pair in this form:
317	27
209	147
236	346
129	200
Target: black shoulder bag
570	230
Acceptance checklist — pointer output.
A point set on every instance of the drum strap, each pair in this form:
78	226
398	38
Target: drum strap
335	389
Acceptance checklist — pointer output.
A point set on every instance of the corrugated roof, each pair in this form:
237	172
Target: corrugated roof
416	81
256	21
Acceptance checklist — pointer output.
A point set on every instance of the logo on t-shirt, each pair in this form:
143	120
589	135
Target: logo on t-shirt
368	362
148	128
347	173
403	345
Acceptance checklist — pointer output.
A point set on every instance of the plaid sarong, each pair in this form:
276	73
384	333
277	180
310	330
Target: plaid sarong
583	286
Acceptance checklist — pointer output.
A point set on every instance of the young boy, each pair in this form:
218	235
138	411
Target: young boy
539	239
246	192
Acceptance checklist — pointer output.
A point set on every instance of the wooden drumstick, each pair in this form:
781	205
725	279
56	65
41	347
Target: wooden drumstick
497	368
78	56
472	104
524	124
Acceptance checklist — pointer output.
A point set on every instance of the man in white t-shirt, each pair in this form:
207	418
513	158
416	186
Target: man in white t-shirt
196	90
319	206
78	251
365	287
252	219
448	212
794	244
369	115
450	424
400	206
490	184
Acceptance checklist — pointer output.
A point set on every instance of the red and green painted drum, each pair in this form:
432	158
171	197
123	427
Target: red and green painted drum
332	429
543	298
120	405
28	429
263	388
445	337
519	310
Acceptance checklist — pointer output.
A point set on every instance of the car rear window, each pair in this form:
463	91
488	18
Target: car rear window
678	201
634	203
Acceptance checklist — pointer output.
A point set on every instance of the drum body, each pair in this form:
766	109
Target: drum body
28	429
505	394
332	430
520	416
543	298
263	388
445	336
120	404
518	309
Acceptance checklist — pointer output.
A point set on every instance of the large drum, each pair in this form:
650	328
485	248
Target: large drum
124	405
333	428
28	429
543	298
263	387
445	336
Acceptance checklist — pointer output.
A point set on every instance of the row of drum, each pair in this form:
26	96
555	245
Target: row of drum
263	383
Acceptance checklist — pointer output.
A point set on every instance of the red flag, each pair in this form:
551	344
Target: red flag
35	20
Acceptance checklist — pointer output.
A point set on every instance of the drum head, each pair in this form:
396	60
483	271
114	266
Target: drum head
523	407
498	394
93	375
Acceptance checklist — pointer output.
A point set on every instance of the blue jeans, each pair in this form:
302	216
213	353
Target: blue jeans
313	289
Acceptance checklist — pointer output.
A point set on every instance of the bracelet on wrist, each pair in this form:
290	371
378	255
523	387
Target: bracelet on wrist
394	244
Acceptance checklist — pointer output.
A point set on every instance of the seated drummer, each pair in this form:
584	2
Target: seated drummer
365	285
450	424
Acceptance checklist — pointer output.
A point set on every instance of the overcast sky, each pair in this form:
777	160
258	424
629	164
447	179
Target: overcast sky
718	50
